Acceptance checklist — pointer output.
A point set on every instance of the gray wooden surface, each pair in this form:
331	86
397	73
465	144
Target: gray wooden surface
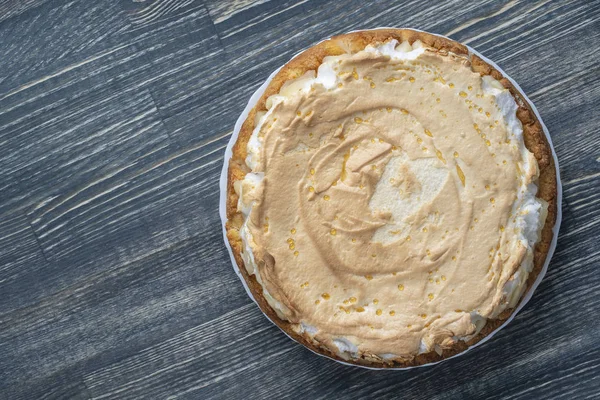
114	280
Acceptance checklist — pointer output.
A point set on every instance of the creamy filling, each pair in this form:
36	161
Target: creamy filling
403	179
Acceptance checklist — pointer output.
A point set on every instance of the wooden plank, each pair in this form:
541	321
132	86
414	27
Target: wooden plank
196	358
101	124
13	8
31	51
148	205
180	44
288	26
106	133
99	119
20	255
115	313
65	384
154	202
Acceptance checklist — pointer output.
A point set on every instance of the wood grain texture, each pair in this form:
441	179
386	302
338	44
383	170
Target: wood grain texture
114	280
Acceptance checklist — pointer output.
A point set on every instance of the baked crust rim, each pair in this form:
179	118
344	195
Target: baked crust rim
534	137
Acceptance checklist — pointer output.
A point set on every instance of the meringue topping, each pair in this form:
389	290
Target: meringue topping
390	208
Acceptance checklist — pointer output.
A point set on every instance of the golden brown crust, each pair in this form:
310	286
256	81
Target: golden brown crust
534	137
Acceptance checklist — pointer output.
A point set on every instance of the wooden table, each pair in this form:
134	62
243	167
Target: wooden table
114	279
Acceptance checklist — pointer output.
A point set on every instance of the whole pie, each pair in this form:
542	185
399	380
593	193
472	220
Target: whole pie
390	198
